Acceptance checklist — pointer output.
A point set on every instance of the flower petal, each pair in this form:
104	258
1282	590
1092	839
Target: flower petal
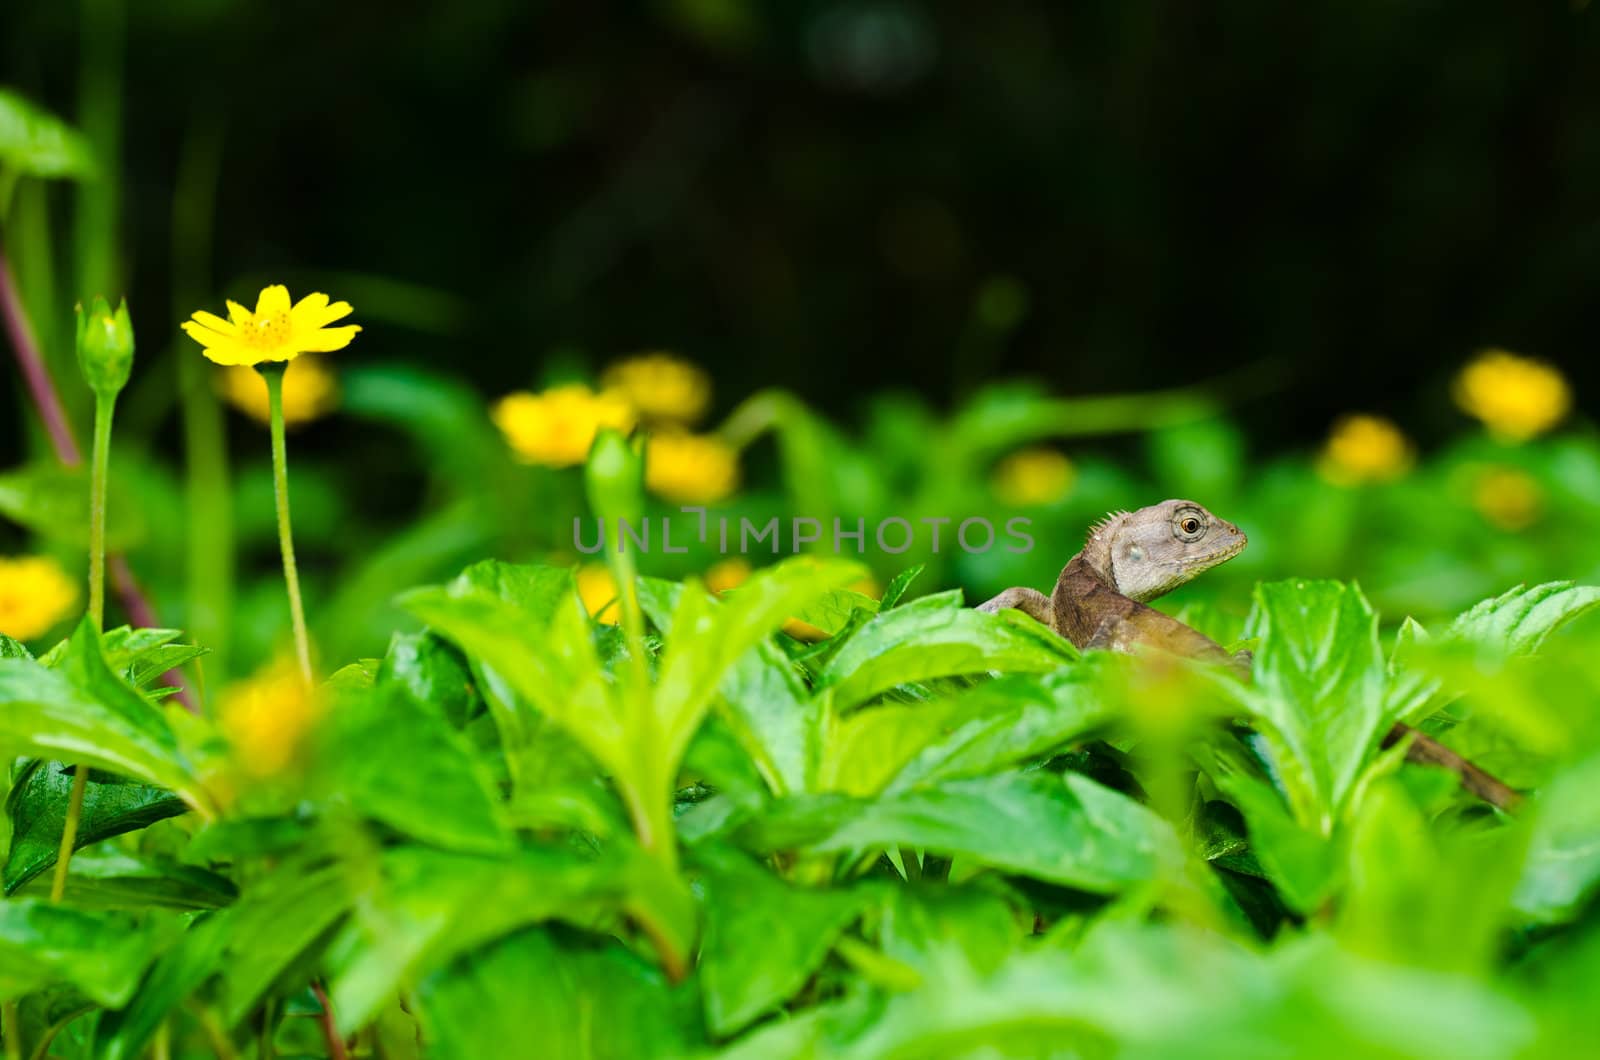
326	340
313	311
238	314
215	323
219	348
273	300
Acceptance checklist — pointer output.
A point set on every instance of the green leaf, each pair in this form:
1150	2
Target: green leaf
124	1033
898	586
937	637
38	144
403	764
435	674
104	955
1068	830
106	724
530	996
1320	695
1519	621
37	807
1562	872
761	699
144	655
273	926
990	726
433	906
107	878
796	926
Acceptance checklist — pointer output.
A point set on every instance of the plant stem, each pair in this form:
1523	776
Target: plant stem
11	1030
104	408
26	348
273	374
330	1028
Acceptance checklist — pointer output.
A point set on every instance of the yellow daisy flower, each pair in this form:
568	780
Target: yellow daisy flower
1508	498
35	594
727	574
690	468
598	591
1516	397
662	387
1032	476
310	390
557	427
1363	448
268	717
276	331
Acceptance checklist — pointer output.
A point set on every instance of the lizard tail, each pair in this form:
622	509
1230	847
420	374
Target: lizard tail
1425	750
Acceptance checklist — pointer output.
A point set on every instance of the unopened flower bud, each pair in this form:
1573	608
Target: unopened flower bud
105	346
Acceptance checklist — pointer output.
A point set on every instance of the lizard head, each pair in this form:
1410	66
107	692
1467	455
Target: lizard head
1152	551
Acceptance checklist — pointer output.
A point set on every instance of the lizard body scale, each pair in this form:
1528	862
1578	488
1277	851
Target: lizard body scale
1131	557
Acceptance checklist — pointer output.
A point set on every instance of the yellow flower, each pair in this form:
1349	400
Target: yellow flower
35	594
727	574
556	428
690	468
1508	498
1363	448
1515	397
310	389
598	591
267	718
276	331
662	387
1032	476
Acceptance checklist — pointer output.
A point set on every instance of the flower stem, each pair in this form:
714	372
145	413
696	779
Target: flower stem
69	832
273	374
104	408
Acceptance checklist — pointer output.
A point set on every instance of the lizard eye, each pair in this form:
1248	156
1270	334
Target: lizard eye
1189	525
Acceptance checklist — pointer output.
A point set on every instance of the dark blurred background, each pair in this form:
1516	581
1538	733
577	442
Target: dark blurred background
839	197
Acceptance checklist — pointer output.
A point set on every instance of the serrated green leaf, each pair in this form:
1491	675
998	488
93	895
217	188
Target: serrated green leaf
1320	696
937	637
402	764
102	954
1067	830
1519	621
432	907
37	807
797	928
531	996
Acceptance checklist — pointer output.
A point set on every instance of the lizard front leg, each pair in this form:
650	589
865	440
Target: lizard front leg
1031	602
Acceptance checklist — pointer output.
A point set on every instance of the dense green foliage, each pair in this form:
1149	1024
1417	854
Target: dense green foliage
501	827
523	833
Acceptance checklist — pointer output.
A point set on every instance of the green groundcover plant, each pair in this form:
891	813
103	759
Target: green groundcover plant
821	809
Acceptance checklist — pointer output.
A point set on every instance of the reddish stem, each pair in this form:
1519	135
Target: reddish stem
330	1029
29	358
34	372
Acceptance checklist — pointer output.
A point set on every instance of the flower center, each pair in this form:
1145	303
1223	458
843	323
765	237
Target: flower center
266	331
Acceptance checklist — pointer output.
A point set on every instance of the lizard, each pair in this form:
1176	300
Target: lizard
1129	558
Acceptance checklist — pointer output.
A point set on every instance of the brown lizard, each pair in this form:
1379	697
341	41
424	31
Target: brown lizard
1132	557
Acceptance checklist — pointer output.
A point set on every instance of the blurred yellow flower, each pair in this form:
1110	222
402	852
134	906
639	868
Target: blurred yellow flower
727	574
1508	498
310	390
1364	448
598	591
276	331
556	428
690	468
35	594
1032	476
662	387
267	718
1515	397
